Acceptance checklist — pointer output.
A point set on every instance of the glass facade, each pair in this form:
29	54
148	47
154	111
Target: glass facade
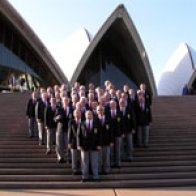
19	63
106	63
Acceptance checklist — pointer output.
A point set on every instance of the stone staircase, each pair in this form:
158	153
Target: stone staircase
169	161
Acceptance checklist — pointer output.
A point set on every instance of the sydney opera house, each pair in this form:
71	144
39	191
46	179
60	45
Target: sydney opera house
115	53
179	71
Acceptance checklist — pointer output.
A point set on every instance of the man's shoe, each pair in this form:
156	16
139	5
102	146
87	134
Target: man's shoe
95	180
116	166
60	160
85	180
77	173
48	152
41	143
130	159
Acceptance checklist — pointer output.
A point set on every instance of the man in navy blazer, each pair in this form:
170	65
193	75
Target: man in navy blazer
128	126
89	142
107	140
63	115
30	112
74	128
50	124
143	119
39	113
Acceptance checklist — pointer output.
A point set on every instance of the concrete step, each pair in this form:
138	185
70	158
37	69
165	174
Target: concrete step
100	185
110	177
137	152
169	160
123	170
29	153
132	164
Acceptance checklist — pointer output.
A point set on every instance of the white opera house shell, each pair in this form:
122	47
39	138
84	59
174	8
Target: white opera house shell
179	70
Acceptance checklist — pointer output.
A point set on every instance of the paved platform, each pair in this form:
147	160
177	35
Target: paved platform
105	192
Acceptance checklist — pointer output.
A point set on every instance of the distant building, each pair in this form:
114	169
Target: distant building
179	70
116	53
22	54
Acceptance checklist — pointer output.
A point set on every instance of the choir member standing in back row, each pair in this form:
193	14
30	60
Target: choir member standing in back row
143	120
30	112
39	113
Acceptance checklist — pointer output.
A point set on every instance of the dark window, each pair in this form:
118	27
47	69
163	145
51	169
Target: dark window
8	38
1	31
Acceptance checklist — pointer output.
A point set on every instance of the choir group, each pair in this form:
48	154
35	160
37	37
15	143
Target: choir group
93	128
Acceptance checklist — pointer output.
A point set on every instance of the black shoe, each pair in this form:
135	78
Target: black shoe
41	143
77	173
129	159
48	152
95	180
85	180
104	173
61	160
116	166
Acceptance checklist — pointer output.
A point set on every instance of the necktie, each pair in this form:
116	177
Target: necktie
113	114
65	109
142	106
53	108
88	124
123	111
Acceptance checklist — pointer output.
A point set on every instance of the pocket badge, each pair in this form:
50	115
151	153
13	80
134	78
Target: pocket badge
107	127
95	130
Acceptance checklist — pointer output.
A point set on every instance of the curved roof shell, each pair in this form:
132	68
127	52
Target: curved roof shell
69	52
122	33
179	70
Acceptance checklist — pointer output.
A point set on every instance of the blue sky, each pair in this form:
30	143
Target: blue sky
161	24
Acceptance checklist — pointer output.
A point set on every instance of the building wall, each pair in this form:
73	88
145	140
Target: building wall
178	72
18	58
